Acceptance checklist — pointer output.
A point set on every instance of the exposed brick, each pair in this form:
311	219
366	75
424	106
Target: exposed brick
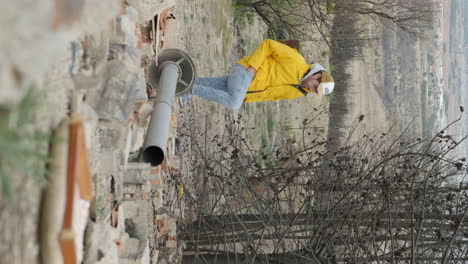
174	119
66	11
171	244
139	104
139	44
122	7
169	227
120	245
164	165
145	31
156	170
156	182
160	223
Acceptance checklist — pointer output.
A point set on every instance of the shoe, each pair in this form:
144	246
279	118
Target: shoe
184	100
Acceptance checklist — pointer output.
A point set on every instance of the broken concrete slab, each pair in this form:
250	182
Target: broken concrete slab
38	43
157	202
135	252
100	247
138	138
130	189
131	248
146	186
57	105
137	173
144	112
129	55
89	116
136	222
86	82
134	177
98	15
126	28
155	256
96	51
128	145
10	94
137	227
115	100
131	209
111	136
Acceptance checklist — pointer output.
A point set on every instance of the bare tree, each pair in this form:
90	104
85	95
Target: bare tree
377	198
284	19
297	19
406	15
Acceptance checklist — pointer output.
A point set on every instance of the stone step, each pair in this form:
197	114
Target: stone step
137	173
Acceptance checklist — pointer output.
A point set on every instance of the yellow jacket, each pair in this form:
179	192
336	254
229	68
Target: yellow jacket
278	66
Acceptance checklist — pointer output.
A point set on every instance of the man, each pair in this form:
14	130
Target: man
273	72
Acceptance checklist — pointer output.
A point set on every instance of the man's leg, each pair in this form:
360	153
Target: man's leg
226	90
219	83
239	81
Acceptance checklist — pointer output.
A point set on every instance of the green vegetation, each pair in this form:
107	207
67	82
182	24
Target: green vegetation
287	127
23	148
330	6
241	15
213	108
283	18
248	109
430	59
226	32
194	55
291	132
264	127
265	158
270	123
100	206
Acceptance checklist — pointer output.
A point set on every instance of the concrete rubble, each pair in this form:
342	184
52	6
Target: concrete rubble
100	52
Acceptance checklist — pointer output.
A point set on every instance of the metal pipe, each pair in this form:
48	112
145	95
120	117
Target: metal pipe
158	131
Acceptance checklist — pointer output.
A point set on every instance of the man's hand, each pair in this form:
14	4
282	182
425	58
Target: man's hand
252	71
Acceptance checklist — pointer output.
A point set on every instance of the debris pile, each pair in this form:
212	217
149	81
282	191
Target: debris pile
93	60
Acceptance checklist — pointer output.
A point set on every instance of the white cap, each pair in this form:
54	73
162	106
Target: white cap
325	88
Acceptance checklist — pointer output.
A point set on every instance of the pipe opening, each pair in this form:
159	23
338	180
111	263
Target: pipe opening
153	155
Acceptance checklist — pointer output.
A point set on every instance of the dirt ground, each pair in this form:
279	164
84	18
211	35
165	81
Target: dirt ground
227	41
229	37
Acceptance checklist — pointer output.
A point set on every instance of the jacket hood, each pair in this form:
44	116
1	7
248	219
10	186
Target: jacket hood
313	70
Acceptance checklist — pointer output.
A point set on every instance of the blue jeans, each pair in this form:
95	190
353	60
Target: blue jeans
227	90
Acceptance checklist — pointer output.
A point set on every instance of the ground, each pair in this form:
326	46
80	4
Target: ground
78	75
95	64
